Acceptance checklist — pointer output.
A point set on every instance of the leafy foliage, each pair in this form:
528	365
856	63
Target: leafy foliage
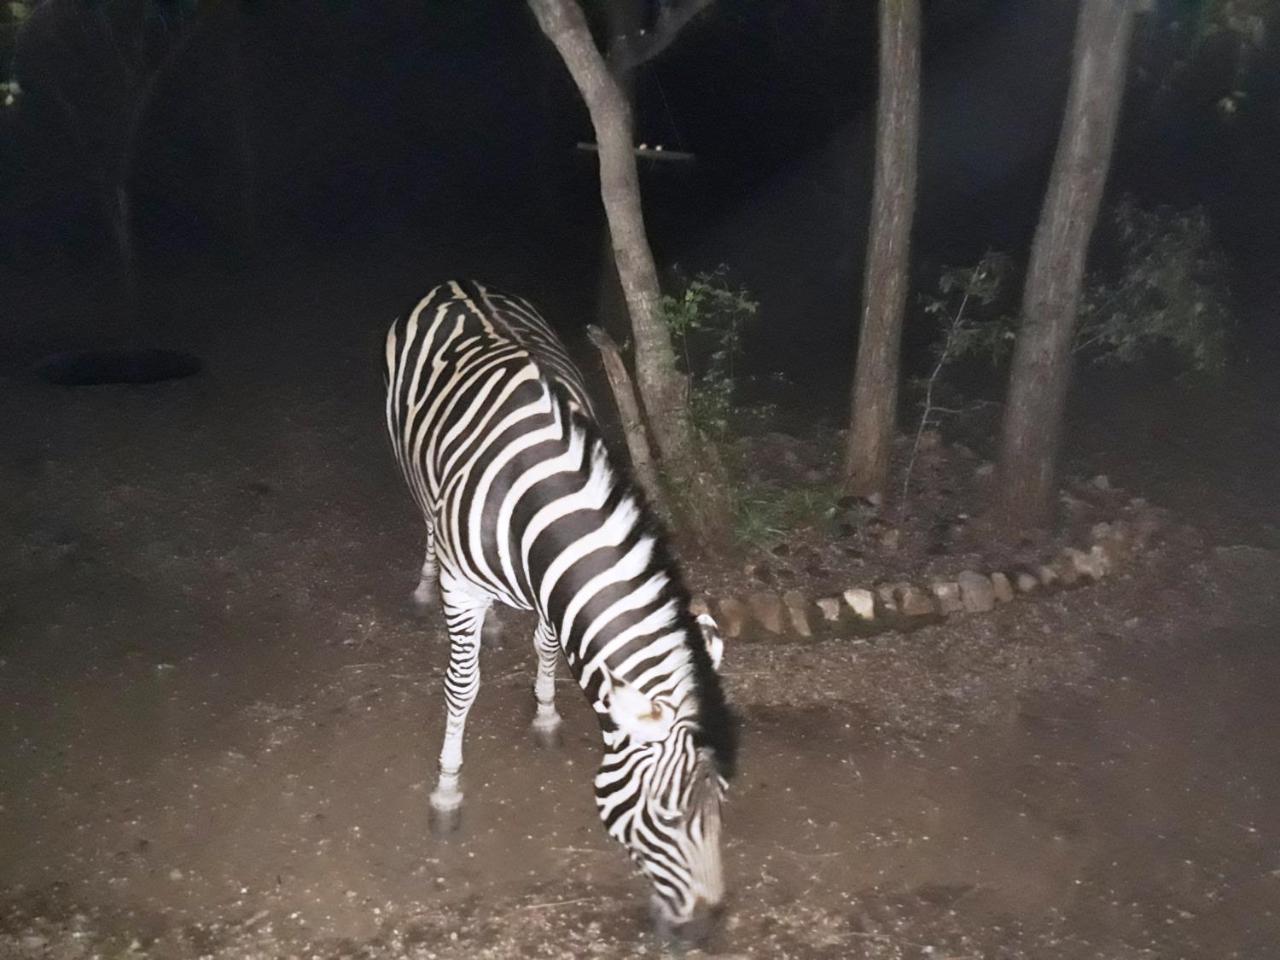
1168	296
1197	28
1244	20
707	321
966	297
1170	293
765	514
13	14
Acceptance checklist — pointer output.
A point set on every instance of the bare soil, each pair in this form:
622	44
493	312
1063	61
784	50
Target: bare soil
219	720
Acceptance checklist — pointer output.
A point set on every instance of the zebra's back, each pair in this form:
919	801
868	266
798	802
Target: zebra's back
479	393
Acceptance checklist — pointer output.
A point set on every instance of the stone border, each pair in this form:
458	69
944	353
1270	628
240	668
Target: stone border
903	605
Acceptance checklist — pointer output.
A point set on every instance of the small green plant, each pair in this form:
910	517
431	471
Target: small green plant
964	301
965	297
766	514
707	321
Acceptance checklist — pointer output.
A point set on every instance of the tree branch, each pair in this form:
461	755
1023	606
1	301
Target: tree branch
628	52
633	428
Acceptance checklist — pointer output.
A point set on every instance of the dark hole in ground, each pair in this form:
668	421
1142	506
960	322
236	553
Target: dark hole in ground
87	368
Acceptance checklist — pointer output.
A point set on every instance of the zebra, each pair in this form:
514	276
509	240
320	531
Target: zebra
494	433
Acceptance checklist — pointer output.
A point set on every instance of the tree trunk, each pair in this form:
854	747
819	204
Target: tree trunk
690	461
138	108
1042	357
623	18
120	208
246	188
884	292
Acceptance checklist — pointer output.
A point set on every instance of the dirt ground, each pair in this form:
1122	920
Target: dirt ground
219	720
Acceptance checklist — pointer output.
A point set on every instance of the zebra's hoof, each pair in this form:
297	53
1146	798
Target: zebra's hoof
423	605
444	822
548	735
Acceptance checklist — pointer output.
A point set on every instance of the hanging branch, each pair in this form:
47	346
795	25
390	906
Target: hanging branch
628	52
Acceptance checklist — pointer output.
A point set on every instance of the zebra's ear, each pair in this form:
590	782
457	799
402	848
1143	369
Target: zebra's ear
641	718
713	638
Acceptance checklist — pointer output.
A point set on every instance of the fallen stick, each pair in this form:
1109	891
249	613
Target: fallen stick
633	429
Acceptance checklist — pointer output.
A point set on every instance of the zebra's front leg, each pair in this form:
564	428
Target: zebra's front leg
546	722
461	684
427	593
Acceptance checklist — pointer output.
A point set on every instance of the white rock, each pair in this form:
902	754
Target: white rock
830	607
1086	564
976	592
766	607
1026	582
1101	560
1065	568
948	594
1001	587
1046	575
862	602
913	601
733	617
797	612
884	593
1101	482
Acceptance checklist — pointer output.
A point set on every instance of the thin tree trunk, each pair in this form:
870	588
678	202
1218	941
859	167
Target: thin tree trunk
120	195
121	214
689	461
1042	357
121	169
884	292
623	18
633	430
247	187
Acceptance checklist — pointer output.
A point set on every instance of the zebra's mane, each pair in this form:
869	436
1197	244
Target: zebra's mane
717	725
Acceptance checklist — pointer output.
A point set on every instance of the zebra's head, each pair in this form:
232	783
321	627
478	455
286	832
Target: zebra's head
659	793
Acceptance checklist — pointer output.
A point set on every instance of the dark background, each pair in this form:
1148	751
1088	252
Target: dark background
446	131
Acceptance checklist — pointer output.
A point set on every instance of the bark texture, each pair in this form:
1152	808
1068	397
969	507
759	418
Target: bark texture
874	409
689	461
633	430
1041	369
623	19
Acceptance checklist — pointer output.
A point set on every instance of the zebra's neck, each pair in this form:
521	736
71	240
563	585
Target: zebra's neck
609	590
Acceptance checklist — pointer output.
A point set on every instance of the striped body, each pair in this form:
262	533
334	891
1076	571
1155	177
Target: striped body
493	430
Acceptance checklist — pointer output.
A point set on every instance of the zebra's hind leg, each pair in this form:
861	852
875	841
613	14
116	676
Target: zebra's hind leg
427	593
461	684
546	722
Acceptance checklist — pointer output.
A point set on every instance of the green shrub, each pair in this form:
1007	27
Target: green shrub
707	321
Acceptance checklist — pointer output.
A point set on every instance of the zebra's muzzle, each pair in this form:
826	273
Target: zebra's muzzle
694	932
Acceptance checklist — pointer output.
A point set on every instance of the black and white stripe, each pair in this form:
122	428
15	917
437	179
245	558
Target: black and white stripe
493	430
